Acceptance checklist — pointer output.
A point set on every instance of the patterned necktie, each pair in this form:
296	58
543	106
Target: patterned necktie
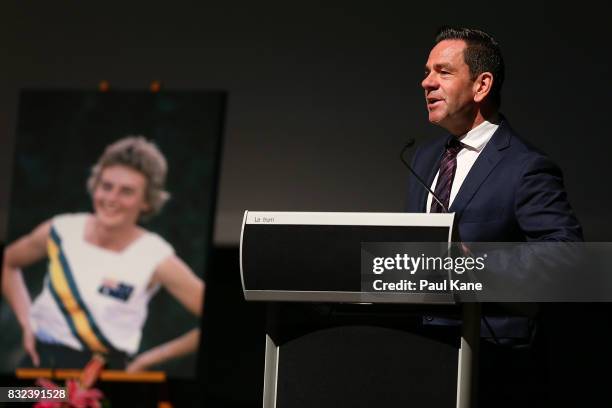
448	166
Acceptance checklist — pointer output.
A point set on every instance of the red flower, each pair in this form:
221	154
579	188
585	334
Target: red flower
79	397
49	385
79	392
92	370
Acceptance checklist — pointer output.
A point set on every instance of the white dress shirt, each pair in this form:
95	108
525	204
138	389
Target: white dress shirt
474	142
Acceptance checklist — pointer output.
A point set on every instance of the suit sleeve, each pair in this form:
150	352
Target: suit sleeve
544	267
542	207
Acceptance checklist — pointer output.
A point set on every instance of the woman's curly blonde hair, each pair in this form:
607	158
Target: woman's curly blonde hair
137	153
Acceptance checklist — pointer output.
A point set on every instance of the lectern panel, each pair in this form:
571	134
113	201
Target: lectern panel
317	257
366	366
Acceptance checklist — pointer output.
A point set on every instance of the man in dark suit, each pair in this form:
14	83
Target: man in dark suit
500	188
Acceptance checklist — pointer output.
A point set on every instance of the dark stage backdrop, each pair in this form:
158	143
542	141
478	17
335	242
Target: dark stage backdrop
323	97
61	134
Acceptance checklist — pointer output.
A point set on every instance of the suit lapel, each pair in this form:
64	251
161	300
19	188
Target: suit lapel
486	162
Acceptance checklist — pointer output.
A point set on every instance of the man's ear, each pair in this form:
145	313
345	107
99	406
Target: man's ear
482	86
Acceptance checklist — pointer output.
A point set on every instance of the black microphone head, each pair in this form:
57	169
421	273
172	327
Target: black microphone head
410	142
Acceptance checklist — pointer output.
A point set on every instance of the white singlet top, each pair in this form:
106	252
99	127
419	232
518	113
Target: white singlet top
94	298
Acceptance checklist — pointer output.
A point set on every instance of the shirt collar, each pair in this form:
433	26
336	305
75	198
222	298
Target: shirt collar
477	138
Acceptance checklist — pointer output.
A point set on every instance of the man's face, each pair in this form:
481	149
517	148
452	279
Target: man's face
449	89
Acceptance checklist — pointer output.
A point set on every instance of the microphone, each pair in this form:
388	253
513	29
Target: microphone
407	146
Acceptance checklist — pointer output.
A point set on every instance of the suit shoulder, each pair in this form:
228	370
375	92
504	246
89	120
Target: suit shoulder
529	159
523	149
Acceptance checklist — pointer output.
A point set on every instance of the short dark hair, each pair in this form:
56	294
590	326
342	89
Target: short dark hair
482	54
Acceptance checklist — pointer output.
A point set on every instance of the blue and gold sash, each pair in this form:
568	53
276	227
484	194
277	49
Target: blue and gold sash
63	288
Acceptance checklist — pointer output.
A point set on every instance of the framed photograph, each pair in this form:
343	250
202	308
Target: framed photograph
110	225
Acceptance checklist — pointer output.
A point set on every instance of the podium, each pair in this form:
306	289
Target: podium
329	342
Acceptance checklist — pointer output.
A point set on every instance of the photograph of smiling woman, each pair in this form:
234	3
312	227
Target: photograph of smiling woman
103	269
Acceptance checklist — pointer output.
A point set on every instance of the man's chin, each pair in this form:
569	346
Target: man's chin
435	119
440	122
